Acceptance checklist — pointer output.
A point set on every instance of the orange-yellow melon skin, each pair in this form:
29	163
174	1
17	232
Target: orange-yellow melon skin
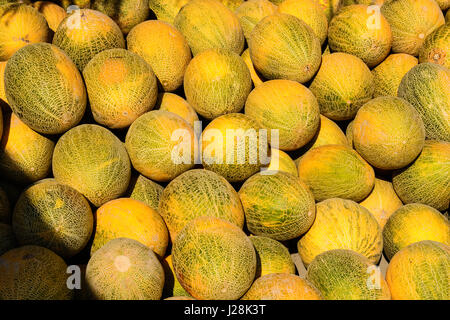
436	48
179	298
173	103
256	77
166	10
172	286
129	218
329	7
3	100
251	12
232	4
281	161
145	190
53	13
164	48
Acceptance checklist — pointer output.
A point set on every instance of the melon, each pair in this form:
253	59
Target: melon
256	77
420	271
232	4
427	179
20	25
411	223
121	87
164	48
296	116
166	10
277	205
33	273
411	22
25	155
7	239
53	13
388	133
172	286
209	24
436	48
214	259
179	298
427	88
69	4
329	7
173	103
271	256
281	286
3	100
349	133
133	219
84	33
443	4
281	161
5	207
388	74
197	193
54	216
343	84
336	171
160	145
367	2
284	47
125	269
147	191
251	12
447	16
93	161
347	275
45	89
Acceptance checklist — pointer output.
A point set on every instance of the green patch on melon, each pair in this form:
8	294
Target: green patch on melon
436	48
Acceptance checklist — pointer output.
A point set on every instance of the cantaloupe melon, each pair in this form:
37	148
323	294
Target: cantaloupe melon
93	161
7	239
125	269
296	116
147	191
209	24
271	256
173	103
411	22
172	286
436	48
217	82
214	259
388	133
20	25
5	207
330	7
133	219
251	12
25	155
277	205
443	4
284	47
234	147
342	224
197	193
281	161
45	89
160	145
84	33
281	286
427	88
166	10
420	272
164	48
427	179
53	13
389	73
121	86
33	273
332	171
255	75
342	85
382	202
347	275
54	216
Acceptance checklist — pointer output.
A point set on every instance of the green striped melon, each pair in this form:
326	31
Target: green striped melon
251	12
173	103
145	190
436	48
166	10
52	12
5	207
281	161
7	239
172	286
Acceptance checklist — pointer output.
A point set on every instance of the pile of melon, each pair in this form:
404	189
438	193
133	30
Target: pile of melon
225	150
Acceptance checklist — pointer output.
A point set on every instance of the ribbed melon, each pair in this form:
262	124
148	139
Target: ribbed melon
25	155
411	22
330	7
281	161
133	219
389	73
436	47
125	269
93	161
251	12
427	179
5	207
20	25
347	275
147	191
173	103
45	89
54	216
214	259
160	145
255	75
284	47
217	82
271	256
53	13
277	205
388	133
420	272
84	33
166	10
172	286
7	239
413	223
121	86
296	116
281	286
209	24
342	85
164	48
197	193
332	171
33	273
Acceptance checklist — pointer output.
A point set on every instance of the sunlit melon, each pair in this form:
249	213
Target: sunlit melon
53	13
251	12
173	103
281	161
146	190
166	10
436	48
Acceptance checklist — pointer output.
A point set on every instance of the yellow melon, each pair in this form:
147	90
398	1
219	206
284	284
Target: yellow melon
251	12
172	286
5	207
3	101
179	298
281	161
146	190
443	4
329	7
367	2
7	239
166	10
232	4
436	47
349	134
53	13
173	103
256	77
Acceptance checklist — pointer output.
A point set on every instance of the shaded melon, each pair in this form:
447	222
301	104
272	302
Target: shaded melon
214	259
251	12
5	207
166	10
172	286
447	16
436	48
281	161
69	4
179	298
173	103
7	239
330	7
256	77
125	269
349	133
147	191
443	4
1	123
121	86
93	161
53	13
